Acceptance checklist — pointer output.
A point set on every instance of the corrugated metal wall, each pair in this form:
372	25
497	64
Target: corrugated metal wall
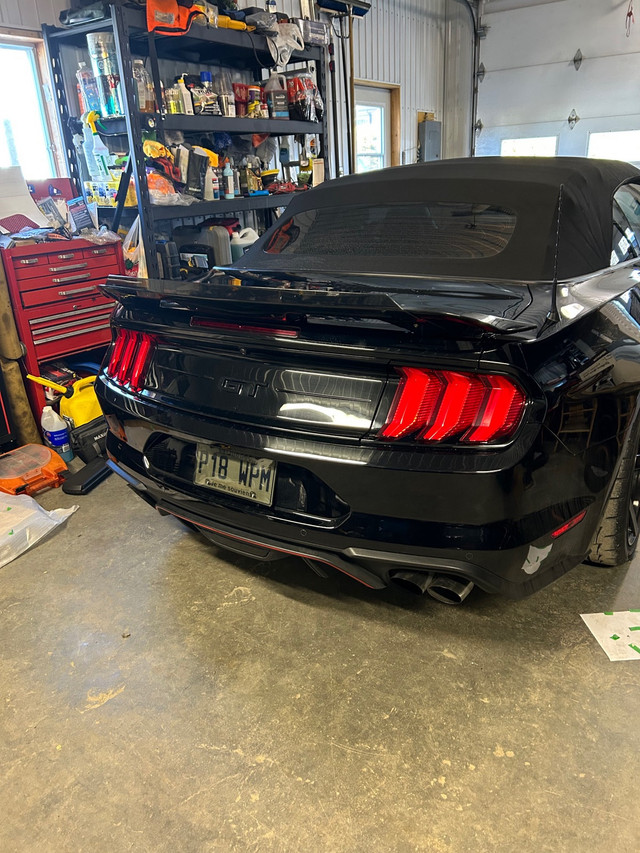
398	42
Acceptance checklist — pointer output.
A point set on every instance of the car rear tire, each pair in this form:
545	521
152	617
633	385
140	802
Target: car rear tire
616	539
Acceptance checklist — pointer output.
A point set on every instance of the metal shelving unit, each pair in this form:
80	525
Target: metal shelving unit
201	45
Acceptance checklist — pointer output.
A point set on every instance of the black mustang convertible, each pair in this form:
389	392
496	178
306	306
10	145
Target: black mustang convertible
426	375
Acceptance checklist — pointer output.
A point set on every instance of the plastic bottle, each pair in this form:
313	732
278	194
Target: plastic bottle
146	99
241	241
101	154
87	147
185	95
229	190
226	97
276	91
56	433
173	100
207	193
88	88
236	183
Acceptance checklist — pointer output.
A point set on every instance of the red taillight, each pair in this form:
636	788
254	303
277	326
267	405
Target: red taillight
444	405
568	525
130	358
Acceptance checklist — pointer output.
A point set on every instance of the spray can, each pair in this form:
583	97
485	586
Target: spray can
56	433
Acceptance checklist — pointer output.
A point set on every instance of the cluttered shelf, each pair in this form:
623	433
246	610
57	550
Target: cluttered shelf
214	124
234	205
189	143
207	208
202	44
116	125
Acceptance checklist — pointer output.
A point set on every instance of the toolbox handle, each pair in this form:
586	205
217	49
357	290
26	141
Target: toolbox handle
64	267
29	261
99	251
83	276
76	290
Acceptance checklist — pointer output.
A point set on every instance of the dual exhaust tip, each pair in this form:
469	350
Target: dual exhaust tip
443	588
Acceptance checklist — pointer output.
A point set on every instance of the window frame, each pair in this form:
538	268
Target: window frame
49	112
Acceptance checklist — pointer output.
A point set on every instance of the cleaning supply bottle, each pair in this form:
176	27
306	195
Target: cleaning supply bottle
56	433
229	189
277	99
87	149
88	87
241	241
185	96
144	87
101	154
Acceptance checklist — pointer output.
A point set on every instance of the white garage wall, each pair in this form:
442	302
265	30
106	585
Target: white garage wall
404	42
531	85
30	14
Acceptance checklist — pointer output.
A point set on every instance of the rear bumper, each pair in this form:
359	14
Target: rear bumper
489	526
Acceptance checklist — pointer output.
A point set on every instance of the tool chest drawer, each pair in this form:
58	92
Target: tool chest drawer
60	293
86	323
66	275
56	300
61	271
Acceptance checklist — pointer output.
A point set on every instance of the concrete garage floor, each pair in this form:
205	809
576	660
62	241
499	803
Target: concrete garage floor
160	695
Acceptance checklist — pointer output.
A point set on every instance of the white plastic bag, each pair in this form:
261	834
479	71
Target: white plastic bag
133	250
23	522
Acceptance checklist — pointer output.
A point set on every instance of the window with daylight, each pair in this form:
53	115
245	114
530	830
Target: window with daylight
615	145
532	146
370	137
24	133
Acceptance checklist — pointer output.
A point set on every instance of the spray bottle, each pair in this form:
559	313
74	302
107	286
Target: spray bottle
101	154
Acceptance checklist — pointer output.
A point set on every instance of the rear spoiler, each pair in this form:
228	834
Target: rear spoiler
496	310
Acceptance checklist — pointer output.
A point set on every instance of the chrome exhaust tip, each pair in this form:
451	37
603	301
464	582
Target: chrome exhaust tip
416	582
449	590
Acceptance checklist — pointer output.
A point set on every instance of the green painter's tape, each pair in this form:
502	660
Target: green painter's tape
634	610
608	613
634	647
635	628
615	637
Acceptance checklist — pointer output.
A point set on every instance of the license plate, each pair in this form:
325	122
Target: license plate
235	474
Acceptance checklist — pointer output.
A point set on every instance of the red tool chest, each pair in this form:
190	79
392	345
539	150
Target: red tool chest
57	305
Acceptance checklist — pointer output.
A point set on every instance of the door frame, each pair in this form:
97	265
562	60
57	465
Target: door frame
394	114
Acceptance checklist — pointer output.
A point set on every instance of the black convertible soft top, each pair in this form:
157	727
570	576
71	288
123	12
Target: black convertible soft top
528	186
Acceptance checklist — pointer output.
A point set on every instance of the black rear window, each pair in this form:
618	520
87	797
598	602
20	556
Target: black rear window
429	230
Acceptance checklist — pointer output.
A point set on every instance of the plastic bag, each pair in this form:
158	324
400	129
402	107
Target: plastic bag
305	101
135	263
101	236
171	198
23	522
281	46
